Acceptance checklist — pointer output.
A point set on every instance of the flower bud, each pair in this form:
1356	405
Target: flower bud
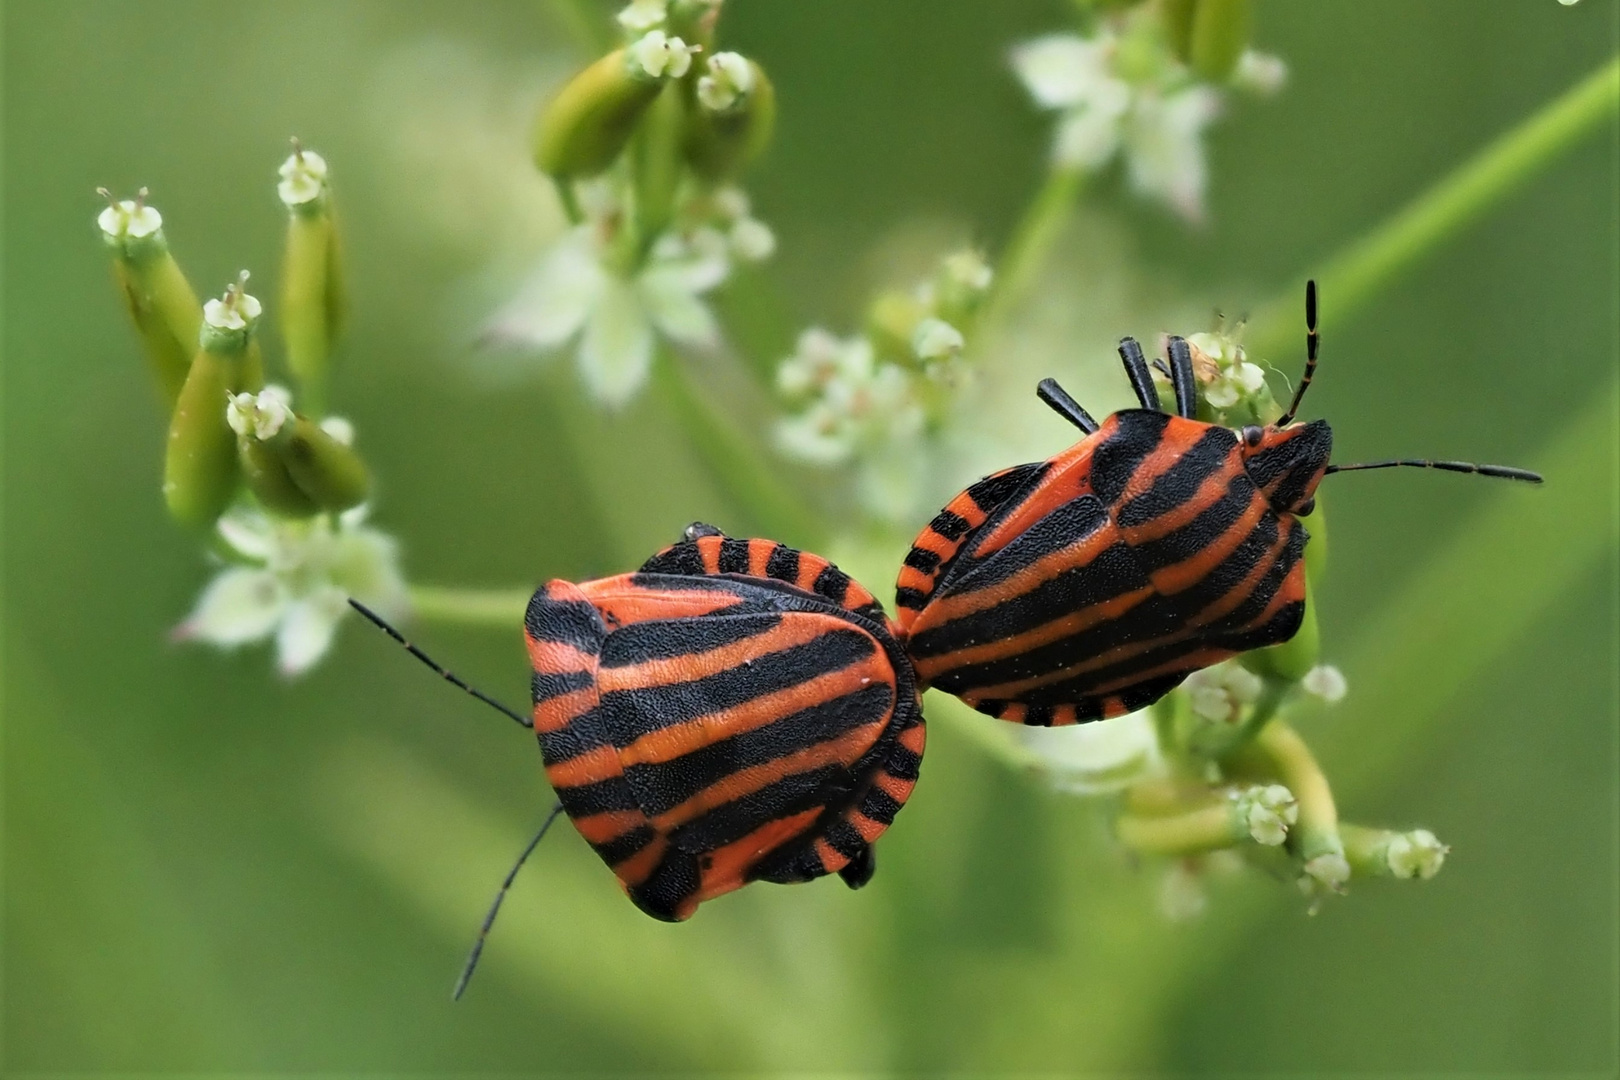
721	140
586	126
656	157
257	419
325	469
892	323
200	469
1326	682
1209	35
159	298
640	16
935	340
312	299
962	283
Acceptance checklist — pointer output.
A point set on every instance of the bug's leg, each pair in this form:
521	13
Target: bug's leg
1181	377
500	897
1136	368
1064	405
859	870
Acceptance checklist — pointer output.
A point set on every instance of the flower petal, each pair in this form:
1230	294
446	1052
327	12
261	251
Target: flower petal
1165	147
1061	70
555	301
306	631
616	353
238	606
251	533
672	304
1087	138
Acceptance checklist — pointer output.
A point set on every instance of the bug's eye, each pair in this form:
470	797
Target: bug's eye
1305	507
1252	436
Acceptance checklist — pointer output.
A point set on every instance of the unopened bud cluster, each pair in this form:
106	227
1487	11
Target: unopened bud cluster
237	450
644	147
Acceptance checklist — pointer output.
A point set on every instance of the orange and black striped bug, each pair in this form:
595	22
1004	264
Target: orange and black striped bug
734	711
1091	584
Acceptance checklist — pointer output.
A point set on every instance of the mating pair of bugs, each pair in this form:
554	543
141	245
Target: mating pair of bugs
737	710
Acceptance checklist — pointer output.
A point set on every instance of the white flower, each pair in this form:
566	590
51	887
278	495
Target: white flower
236	310
729	80
259	415
968	270
936	339
130	219
1100	757
297	584
1154	117
1259	73
573	292
1267	812
1221	693
303	177
1235	379
1417	854
752	240
1327	872
643	15
657	54
1326	682
855	400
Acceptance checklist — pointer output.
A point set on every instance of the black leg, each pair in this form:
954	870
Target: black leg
494	909
1065	406
1181	377
1136	368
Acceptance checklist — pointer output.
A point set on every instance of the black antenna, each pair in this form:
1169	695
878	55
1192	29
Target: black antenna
1312	343
1501	472
382	624
1181	377
1065	406
494	909
1136	369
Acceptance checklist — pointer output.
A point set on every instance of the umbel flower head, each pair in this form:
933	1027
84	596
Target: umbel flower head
581	290
1122	93
294	582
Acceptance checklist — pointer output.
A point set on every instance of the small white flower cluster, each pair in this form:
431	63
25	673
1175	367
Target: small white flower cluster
871	396
294	582
303	177
1121	92
128	219
1267	812
1225	374
580	289
658	55
1220	694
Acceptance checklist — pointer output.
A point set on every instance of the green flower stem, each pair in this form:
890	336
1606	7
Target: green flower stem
745	470
502	608
1032	240
1367	850
1367	267
1278	753
1195	832
1166	796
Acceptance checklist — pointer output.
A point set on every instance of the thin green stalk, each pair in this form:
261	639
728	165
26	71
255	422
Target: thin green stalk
744	468
1367	267
1209	828
1032	240
473	607
1278	753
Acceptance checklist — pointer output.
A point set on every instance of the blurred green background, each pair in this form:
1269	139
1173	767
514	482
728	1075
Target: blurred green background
209	869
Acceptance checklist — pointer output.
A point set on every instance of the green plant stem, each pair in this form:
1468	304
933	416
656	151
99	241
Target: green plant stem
473	607
745	469
1278	753
1031	242
1360	272
1209	828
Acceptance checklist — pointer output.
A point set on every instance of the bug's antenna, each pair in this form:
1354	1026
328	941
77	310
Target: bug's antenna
454	680
1501	472
1312	342
494	909
1065	406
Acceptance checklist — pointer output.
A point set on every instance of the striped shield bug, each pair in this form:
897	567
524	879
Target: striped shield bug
1091	584
733	711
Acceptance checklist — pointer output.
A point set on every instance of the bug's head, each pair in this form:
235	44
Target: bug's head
1287	463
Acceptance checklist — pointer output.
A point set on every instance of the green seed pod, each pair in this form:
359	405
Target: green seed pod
1179	16
200	469
160	300
329	472
1220	33
657	162
733	121
586	126
257	419
311	289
